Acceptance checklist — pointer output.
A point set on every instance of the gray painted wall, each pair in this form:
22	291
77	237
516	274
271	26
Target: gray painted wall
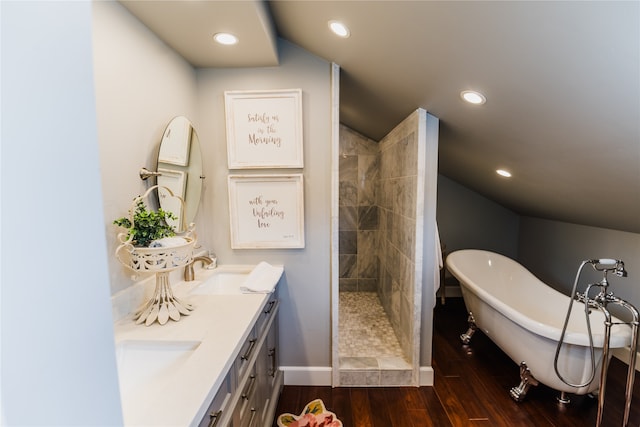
553	250
467	220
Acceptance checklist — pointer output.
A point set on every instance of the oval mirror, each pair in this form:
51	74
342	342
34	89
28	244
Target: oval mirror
180	169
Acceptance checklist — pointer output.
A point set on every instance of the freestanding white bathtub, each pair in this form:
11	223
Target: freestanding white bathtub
524	317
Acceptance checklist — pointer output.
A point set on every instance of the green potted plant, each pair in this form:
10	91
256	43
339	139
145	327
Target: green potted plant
147	225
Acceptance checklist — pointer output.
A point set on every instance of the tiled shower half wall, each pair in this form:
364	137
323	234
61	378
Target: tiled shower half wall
377	203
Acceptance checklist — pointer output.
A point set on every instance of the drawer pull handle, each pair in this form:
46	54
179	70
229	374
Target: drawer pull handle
272	355
249	390
215	417
252	344
270	307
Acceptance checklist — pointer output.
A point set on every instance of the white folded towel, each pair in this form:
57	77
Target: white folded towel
168	242
263	279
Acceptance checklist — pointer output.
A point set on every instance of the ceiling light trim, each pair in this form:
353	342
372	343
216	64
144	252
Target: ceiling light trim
473	97
339	29
226	39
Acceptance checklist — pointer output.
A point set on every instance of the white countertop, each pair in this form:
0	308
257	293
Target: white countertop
221	323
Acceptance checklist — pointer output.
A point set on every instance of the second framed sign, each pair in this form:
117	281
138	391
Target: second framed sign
266	211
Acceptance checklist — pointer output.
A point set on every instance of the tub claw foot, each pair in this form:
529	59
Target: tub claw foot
526	380
466	337
563	398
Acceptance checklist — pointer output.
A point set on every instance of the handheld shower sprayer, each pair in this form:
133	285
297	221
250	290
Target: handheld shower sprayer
600	302
607	264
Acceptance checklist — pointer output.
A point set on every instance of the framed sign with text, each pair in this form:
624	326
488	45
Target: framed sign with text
266	211
264	129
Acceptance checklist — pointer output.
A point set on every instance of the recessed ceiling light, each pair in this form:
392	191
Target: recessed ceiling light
473	97
225	38
504	173
339	29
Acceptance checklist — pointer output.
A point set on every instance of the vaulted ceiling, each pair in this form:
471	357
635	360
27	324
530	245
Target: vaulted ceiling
561	79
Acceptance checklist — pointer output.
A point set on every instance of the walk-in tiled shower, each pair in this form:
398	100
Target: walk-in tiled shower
377	241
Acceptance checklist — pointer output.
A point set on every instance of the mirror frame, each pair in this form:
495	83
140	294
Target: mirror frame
179	167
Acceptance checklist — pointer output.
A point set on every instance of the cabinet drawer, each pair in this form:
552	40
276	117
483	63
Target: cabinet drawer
246	353
219	412
249	398
248	395
270	310
273	357
252	419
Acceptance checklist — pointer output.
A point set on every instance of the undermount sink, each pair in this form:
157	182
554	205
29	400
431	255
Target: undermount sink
140	362
221	283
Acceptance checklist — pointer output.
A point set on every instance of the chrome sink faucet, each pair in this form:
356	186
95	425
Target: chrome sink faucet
188	269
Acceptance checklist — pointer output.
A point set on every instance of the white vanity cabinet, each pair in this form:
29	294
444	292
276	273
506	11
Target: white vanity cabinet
249	395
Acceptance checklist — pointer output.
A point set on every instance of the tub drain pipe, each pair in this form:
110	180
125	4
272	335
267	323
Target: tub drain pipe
600	302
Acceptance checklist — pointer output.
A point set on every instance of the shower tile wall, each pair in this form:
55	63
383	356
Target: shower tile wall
358	214
397	231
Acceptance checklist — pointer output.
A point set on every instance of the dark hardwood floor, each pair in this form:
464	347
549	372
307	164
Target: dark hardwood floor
470	389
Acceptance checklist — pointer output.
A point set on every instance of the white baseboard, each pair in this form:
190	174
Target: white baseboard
321	376
307	375
426	376
624	354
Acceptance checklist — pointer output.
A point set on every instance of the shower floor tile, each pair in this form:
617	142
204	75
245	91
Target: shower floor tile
366	339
